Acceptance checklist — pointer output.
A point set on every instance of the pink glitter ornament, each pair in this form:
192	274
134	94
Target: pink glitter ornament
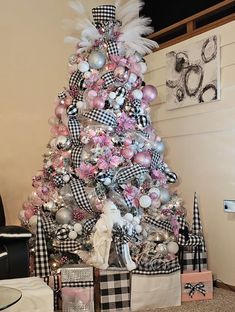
149	93
59	110
127	152
98	102
143	159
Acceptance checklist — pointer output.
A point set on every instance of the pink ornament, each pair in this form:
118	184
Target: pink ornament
28	213
91	94
127	142
149	93
143	159
68	101
59	110
127	152
98	102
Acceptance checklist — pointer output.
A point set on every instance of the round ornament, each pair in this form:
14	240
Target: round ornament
50	206
137	94
78	228
173	247
162	249
149	93
159	147
143	159
96	59
63	216
138	228
83	66
154	190
145	201
63	142
73	235
129	217
164	196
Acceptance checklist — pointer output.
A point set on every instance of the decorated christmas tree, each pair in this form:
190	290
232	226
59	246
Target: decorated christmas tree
103	196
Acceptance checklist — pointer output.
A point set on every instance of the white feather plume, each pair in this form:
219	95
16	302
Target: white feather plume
87	32
135	27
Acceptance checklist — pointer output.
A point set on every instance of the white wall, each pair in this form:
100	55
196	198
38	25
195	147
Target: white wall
200	148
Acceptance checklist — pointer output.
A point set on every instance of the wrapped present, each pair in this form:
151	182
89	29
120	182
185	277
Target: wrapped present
77	284
155	291
194	259
113	293
196	286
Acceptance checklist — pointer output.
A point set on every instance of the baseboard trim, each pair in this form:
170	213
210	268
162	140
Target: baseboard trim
220	284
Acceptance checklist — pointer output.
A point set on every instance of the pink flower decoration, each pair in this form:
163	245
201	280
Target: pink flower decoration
159	176
102	140
125	123
108	161
130	192
85	171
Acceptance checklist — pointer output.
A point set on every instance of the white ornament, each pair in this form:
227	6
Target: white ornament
120	100
96	59
107	181
145	201
33	220
173	247
137	94
73	235
66	178
112	95
155	190
136	220
83	66
138	228
77	227
132	78
129	217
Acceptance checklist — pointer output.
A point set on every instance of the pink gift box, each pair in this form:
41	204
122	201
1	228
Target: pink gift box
196	286
77	299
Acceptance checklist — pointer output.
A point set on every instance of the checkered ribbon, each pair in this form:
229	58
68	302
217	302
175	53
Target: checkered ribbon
102	117
128	173
48	224
76	153
200	287
150	263
184	237
156	159
165	225
114	291
108	79
58	180
74	130
145	134
88	225
77	284
112	48
103	13
66	245
75	79
62	95
79	194
41	256
56	289
171	266
72	111
119	234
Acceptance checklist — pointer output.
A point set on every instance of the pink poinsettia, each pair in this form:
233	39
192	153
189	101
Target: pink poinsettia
130	192
125	123
108	160
159	176
102	140
85	171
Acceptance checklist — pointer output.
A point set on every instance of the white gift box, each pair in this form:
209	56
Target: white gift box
155	291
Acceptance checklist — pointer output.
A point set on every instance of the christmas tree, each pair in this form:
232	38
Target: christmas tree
103	194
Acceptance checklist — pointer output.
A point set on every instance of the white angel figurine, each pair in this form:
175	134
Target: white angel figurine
103	236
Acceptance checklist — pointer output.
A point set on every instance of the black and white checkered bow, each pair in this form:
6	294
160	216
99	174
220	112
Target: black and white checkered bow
89	225
112	48
197	287
165	225
74	130
127	173
75	79
108	79
103	13
102	117
67	245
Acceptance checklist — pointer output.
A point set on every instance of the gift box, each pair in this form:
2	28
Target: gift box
194	260
196	286
77	290
113	290
155	291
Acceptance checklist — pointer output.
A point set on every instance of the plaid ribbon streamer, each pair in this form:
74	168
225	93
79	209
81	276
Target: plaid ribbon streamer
77	284
128	173
88	225
184	237
103	13
114	290
41	256
74	129
108	79
66	245
75	78
165	225
197	287
156	158
172	266
76	153
48	224
79	195
56	289
102	117
112	48
58	180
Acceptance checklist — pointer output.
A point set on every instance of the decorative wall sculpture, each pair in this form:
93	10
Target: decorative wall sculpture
193	74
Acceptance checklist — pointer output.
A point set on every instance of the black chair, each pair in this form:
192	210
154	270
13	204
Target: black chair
14	249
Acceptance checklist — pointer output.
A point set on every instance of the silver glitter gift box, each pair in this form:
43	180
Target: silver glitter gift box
77	275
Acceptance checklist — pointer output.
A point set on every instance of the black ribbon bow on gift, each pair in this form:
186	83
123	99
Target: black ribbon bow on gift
197	287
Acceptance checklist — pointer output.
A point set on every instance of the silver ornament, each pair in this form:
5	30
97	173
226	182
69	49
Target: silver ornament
164	196
63	142
162	249
63	216
96	59
160	147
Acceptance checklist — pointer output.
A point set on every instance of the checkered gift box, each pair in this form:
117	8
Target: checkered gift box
114	290
194	260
